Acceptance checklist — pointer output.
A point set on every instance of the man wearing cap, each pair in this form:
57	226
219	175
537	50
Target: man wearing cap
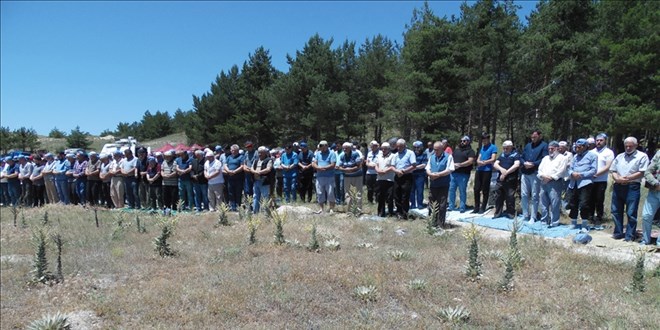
79	177
463	158
62	166
419	176
37	178
117	187
324	163
11	173
25	168
405	162
92	172
485	161
129	170
199	181
213	173
581	173
605	159
51	191
106	178
385	170
155	184
262	172
506	165
552	170
349	163
143	185
652	204
170	181
305	158
289	166
249	156
235	177
372	155
627	171
439	167
530	184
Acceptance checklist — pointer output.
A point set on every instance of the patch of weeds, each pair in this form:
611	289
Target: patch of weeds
313	244
376	229
223	215
417	285
14	212
293	243
366	245
638	274
252	225
40	273
140	226
353	207
279	219
161	243
398	255
332	244
473	268
506	282
44	220
454	315
431	228
120	226
514	257
51	322
59	243
179	206
366	293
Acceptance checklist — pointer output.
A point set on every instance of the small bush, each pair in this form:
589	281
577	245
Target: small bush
366	293
161	243
454	315
473	268
332	244
417	285
223	215
313	244
40	273
638	274
398	255
51	322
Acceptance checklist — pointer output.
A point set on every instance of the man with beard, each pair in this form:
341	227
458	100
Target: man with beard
530	184
463	159
487	157
439	167
93	179
371	171
306	172
324	163
605	159
405	162
419	176
385	169
581	173
552	171
507	165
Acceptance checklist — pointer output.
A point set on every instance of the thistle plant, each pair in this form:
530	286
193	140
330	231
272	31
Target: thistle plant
51	322
179	205
506	282
118	231
514	257
473	268
14	212
398	255
140	226
253	224
638	274
244	213
366	293
40	272
44	220
332	244
417	284
353	206
59	243
223	215
23	222
455	315
279	219
430	224
313	244
161	243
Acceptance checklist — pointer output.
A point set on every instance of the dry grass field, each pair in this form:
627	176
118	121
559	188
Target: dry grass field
113	277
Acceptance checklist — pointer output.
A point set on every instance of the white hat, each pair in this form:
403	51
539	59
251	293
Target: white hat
209	153
507	143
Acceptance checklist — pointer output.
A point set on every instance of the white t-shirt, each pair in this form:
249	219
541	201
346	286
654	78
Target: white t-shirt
212	168
605	155
385	161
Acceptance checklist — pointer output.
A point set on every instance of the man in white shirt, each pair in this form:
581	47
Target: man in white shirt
213	173
552	172
385	180
599	185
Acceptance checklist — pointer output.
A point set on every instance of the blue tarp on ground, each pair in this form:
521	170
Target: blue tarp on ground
536	228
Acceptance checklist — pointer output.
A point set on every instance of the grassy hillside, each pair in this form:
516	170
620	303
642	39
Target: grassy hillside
51	144
217	280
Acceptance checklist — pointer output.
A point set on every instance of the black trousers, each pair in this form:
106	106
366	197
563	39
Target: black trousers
38	195
26	193
154	196
506	192
371	187
384	191
439	195
93	191
170	196
105	195
402	190
305	188
481	188
580	202
598	200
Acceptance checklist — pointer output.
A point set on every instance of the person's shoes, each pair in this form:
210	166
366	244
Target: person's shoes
531	221
475	211
482	211
318	212
463	211
553	224
497	215
617	237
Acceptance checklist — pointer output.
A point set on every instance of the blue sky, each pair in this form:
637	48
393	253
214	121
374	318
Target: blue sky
95	64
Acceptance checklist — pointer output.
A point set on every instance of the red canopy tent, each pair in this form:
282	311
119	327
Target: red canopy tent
196	147
164	148
181	147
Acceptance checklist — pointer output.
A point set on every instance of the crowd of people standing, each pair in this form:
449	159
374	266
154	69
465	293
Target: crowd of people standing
552	178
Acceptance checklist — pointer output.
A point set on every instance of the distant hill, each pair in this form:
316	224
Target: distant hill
52	144
172	139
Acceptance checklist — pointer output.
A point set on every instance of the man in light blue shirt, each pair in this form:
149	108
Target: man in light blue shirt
324	164
405	163
581	173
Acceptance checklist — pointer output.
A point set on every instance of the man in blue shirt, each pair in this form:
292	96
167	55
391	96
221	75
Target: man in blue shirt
439	167
250	155
324	163
289	166
507	165
349	163
61	184
581	172
419	176
183	169
306	175
485	161
530	184
405	163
